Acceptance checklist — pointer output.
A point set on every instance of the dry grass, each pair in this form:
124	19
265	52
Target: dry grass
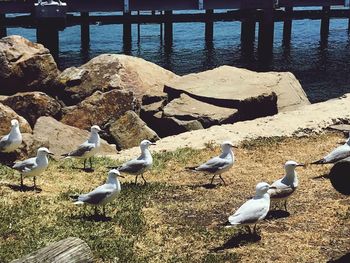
175	218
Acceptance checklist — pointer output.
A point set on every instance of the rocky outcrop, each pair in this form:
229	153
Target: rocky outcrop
61	138
32	105
186	108
110	71
25	66
99	108
6	115
129	130
253	94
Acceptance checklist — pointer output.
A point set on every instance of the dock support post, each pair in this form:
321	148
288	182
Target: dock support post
209	26
85	31
325	25
266	33
3	31
168	29
48	35
127	37
248	26
287	26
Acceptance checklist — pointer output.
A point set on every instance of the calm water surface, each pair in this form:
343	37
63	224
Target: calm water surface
324	71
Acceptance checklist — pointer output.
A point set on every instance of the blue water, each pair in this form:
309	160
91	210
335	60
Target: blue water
324	72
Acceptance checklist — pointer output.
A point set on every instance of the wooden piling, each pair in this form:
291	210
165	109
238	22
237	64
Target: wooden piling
168	29
287	26
3	30
47	33
127	33
266	34
248	26
209	26
85	30
324	32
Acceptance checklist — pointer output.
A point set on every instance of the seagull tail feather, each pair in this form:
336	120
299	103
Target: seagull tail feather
113	167
74	196
191	168
321	161
79	203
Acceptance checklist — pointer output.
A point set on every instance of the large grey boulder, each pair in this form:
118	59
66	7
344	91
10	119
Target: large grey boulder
253	94
25	66
111	71
6	115
99	109
32	105
129	130
186	108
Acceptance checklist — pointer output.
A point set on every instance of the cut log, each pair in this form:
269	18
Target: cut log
72	249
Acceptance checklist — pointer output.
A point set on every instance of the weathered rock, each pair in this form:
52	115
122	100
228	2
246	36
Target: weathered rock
25	66
99	108
6	115
32	105
253	94
186	108
110	71
62	138
129	130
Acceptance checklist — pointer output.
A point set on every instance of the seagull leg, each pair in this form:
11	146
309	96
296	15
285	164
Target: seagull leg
222	179
285	205
22	180
212	179
144	179
90	162
84	164
249	230
136	179
104	211
34	181
96	212
254	229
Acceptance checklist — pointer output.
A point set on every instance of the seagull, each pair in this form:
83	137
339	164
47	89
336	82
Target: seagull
87	149
254	210
219	164
33	166
103	194
13	140
141	164
338	154
283	188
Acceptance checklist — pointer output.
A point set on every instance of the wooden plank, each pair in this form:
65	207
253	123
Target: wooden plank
73	250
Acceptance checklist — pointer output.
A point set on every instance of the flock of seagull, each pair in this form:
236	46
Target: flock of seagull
250	213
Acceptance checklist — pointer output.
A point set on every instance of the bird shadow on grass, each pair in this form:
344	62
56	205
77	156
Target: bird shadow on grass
241	239
344	258
322	176
23	188
205	186
86	170
276	214
92	218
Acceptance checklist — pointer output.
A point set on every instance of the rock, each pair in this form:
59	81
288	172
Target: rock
186	108
110	71
6	115
25	66
253	94
62	138
129	130
99	108
32	105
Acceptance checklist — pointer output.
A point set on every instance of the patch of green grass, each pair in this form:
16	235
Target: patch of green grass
261	141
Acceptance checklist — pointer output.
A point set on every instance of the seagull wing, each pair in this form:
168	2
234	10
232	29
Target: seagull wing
133	166
336	155
281	190
96	196
82	149
250	212
4	142
213	165
25	165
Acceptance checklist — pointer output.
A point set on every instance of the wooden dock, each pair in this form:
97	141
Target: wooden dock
249	12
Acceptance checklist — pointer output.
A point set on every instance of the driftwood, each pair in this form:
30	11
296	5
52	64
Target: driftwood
69	250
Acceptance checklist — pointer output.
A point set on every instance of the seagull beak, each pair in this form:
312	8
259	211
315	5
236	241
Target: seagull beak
272	187
153	143
301	164
122	176
51	153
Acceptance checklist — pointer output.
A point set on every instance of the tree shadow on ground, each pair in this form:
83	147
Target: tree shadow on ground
344	258
277	214
241	239
92	218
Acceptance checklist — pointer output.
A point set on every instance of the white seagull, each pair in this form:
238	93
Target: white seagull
141	164
103	194
254	210
13	140
218	165
87	149
34	166
338	154
283	188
